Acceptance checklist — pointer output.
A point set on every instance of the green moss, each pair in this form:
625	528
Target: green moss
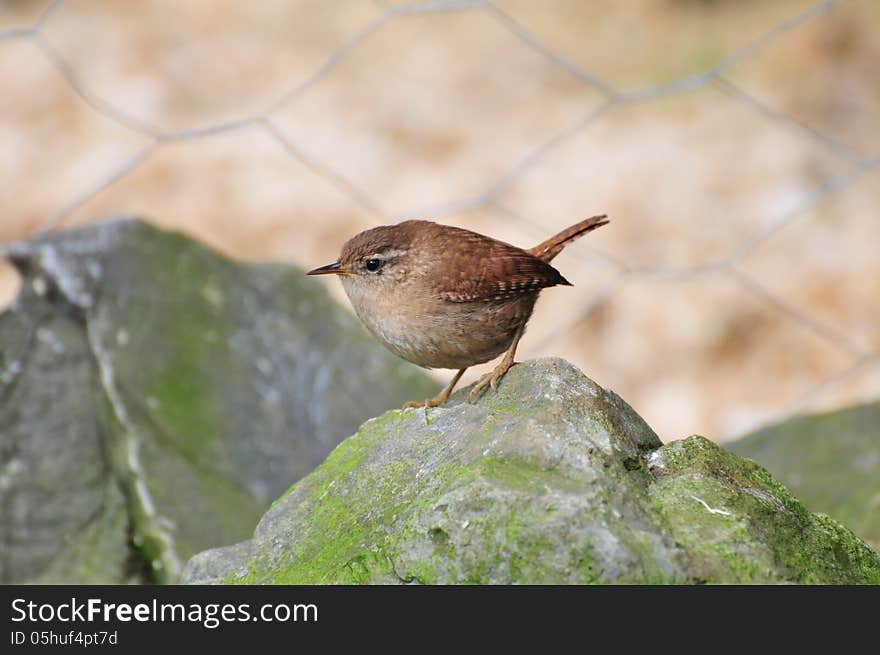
741	525
352	522
185	399
831	461
525	474
715	534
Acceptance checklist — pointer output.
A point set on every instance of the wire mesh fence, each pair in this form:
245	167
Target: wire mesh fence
591	102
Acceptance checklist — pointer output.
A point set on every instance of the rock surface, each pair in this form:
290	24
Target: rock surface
155	397
830	461
550	480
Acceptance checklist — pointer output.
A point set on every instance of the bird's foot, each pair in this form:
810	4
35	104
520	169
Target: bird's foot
440	398
437	400
415	404
490	379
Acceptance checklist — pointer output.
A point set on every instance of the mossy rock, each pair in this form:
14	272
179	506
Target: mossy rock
831	461
551	479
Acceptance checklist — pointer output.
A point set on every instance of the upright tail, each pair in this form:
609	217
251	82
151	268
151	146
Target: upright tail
554	245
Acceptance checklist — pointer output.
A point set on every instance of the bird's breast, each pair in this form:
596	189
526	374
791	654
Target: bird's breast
435	333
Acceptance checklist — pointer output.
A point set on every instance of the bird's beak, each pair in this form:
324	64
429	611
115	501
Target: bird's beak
335	268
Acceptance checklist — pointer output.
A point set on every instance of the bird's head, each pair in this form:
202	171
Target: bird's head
375	260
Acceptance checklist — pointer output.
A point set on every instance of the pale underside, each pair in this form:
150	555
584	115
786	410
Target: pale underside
454	335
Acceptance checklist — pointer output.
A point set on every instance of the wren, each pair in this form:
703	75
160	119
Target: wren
444	297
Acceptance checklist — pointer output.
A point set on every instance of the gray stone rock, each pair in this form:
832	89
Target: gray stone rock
551	479
831	461
155	397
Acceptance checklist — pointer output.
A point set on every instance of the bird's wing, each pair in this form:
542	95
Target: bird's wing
478	267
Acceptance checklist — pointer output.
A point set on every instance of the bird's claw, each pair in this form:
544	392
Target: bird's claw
490	379
475	393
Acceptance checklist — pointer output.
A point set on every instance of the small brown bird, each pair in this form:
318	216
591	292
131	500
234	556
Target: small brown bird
445	297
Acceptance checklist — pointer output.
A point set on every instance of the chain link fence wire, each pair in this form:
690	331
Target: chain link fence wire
853	165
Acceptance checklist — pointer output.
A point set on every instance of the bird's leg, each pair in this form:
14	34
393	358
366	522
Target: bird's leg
441	397
492	378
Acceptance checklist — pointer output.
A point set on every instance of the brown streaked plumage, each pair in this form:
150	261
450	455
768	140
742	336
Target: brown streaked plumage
444	297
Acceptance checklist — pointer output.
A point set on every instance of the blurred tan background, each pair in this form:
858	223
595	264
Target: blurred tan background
734	143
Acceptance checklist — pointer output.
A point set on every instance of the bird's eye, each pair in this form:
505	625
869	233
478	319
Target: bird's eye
373	264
